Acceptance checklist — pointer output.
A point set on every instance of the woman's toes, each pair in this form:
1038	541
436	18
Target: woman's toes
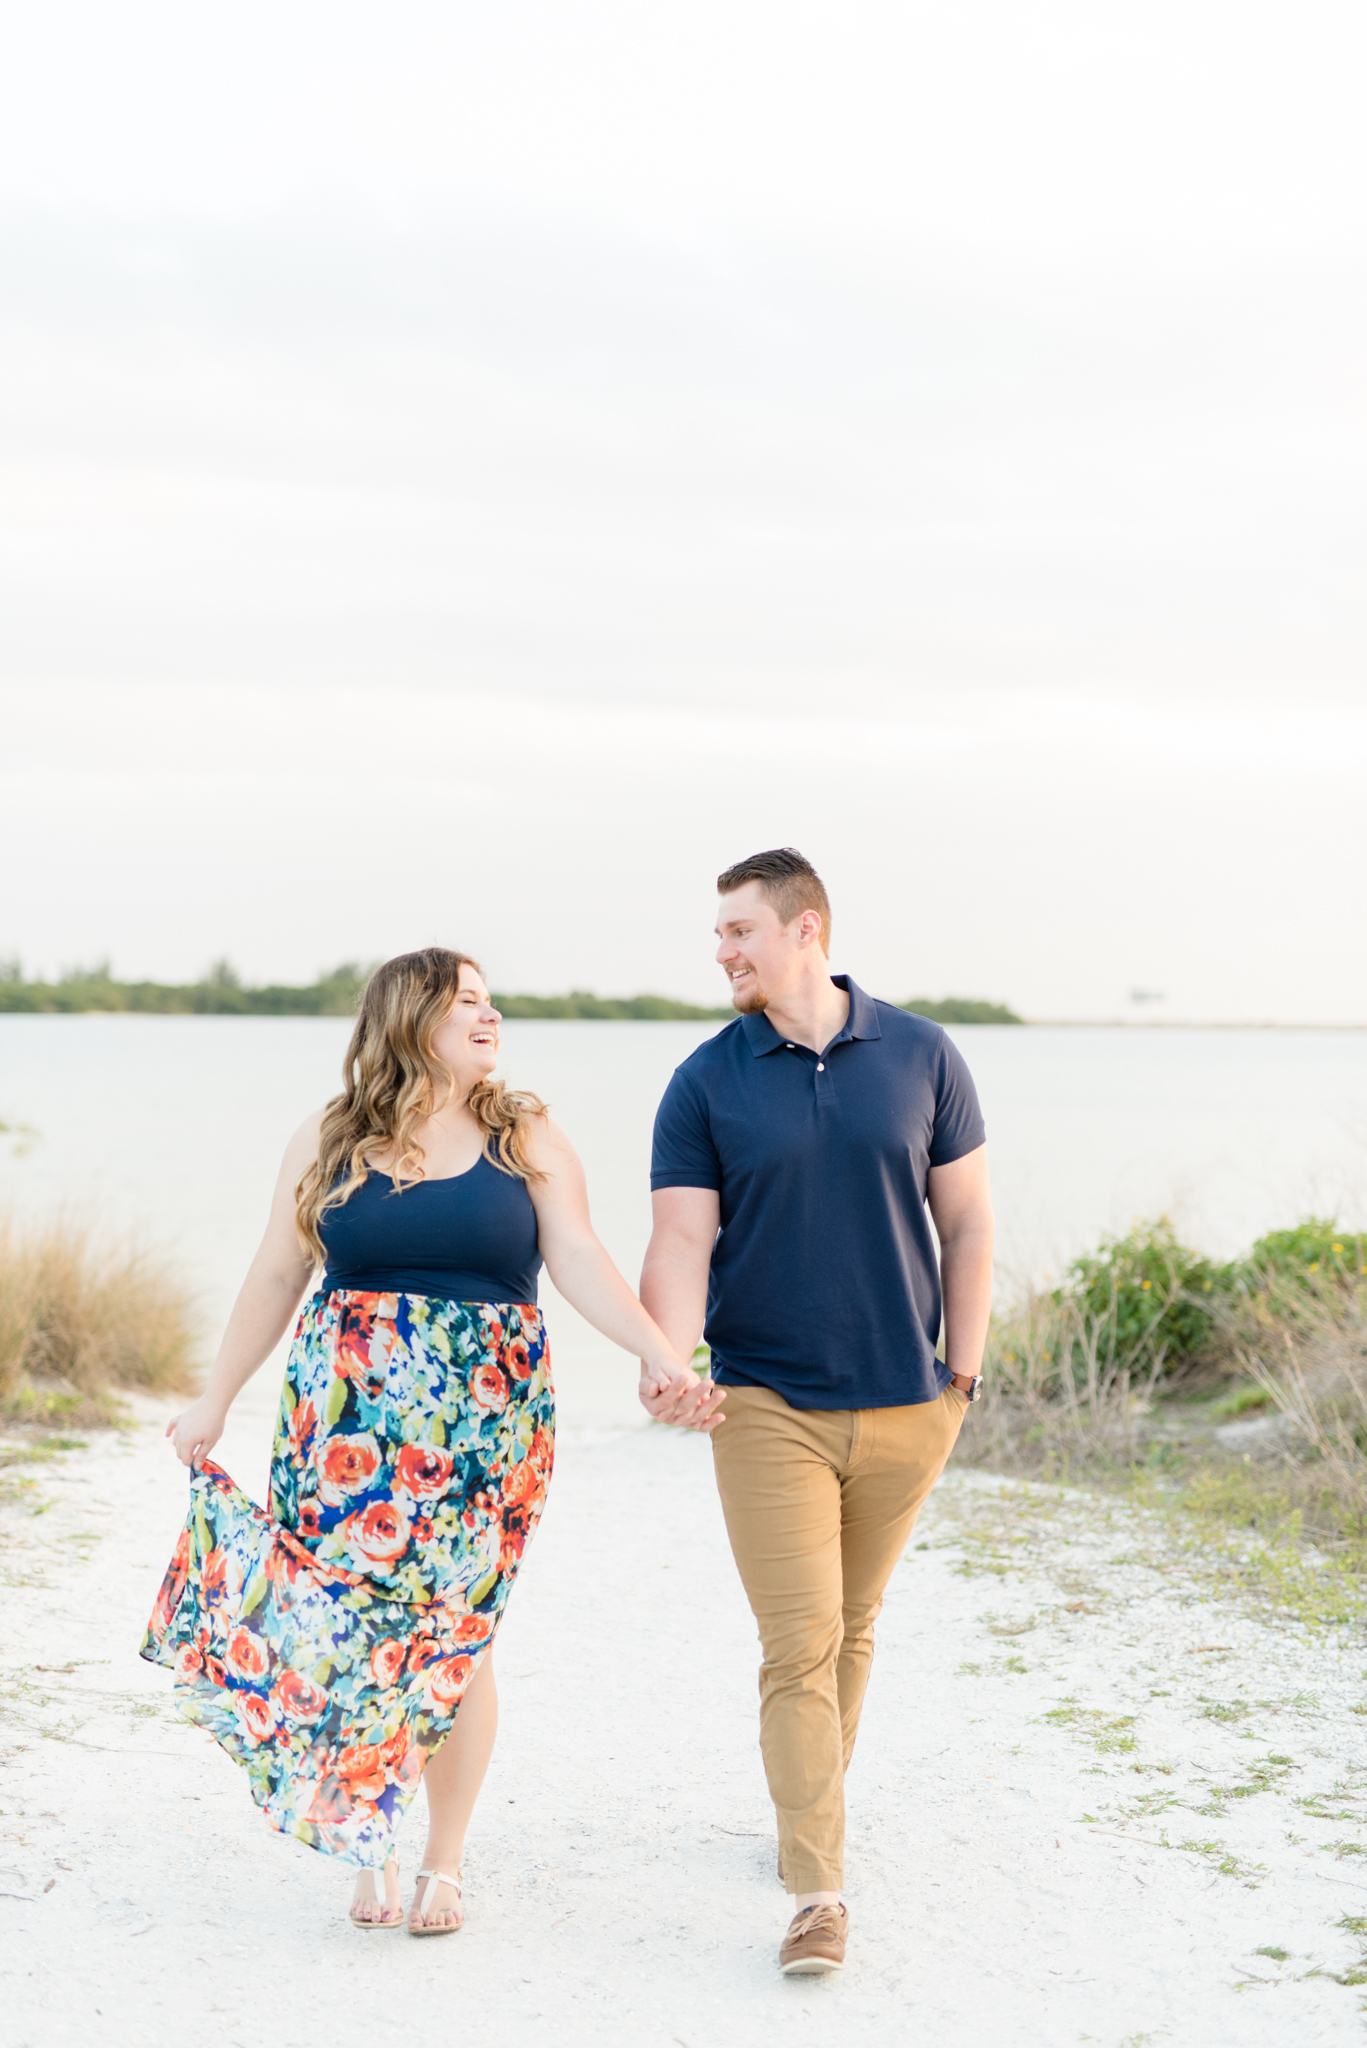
367	1910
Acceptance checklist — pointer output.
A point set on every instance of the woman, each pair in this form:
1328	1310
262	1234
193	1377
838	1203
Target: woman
328	1643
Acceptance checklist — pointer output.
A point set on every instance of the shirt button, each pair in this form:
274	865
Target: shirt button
821	1066
791	1047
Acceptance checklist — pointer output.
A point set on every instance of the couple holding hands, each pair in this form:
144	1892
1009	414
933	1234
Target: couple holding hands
337	1643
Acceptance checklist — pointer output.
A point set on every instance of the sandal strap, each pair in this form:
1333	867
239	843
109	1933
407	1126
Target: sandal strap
435	1877
377	1884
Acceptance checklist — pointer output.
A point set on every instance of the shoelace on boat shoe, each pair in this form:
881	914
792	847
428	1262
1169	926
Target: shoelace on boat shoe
823	1919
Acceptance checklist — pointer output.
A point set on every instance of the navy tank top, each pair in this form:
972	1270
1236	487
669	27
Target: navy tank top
470	1237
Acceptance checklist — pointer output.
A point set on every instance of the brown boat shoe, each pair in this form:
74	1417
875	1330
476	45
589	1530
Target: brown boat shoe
815	1942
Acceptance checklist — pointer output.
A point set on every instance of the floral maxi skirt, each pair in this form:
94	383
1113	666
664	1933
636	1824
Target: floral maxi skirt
328	1643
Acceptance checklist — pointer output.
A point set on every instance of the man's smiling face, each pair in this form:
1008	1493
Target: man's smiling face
758	955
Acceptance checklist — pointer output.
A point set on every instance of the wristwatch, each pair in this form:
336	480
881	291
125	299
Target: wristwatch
973	1391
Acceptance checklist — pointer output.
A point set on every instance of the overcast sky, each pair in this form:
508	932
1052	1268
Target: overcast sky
470	472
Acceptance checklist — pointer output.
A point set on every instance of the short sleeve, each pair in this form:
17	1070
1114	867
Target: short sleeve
959	1126
682	1154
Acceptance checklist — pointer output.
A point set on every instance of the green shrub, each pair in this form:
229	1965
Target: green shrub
1143	1305
1316	1249
1153	1295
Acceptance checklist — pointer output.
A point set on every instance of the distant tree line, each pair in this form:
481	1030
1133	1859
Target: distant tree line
223	994
960	1010
220	994
579	1003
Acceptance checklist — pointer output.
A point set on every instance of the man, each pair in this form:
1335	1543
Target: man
795	1154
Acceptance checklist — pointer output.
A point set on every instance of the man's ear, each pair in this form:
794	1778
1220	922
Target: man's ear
809	927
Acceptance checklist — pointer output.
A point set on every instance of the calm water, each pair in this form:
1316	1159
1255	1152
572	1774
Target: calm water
175	1126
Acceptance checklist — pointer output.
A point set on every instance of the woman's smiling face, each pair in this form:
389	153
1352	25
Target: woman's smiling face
466	1040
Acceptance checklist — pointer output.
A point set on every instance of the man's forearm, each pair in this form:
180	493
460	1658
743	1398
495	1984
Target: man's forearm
674	1292
966	1286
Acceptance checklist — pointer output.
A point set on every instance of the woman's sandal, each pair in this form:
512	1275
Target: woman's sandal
382	1901
421	1900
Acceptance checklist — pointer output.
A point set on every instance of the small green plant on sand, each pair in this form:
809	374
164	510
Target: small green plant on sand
1356	1974
1105	1732
1240	1401
1224	1860
1265	1774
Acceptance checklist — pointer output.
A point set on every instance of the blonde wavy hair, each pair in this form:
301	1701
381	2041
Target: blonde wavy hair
393	1081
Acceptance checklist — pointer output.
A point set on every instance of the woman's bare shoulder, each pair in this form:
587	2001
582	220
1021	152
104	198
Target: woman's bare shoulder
550	1145
303	1146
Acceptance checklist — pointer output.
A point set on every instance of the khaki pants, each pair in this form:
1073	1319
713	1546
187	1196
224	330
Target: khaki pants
819	1504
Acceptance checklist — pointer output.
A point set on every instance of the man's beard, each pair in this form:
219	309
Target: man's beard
752	999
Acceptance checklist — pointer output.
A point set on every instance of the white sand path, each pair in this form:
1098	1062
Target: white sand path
620	1874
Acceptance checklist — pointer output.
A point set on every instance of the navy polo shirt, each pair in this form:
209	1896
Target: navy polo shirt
824	1282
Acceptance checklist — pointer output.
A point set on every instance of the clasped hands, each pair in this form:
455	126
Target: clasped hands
676	1394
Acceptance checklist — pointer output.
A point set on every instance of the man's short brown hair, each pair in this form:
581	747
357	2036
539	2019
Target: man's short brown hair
787	881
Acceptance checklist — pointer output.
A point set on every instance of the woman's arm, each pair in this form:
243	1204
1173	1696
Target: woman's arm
270	1294
582	1271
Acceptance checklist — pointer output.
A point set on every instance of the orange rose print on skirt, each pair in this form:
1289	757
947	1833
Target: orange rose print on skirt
378	1534
387	1661
256	1715
346	1467
489	1386
327	1643
446	1680
248	1656
300	1698
421	1471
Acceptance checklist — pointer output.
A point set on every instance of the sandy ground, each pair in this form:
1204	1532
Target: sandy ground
1039	1662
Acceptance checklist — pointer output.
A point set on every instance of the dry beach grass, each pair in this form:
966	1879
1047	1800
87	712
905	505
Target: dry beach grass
83	1318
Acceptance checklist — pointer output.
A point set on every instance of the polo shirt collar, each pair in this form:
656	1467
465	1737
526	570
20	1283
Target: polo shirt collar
862	1021
760	1034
